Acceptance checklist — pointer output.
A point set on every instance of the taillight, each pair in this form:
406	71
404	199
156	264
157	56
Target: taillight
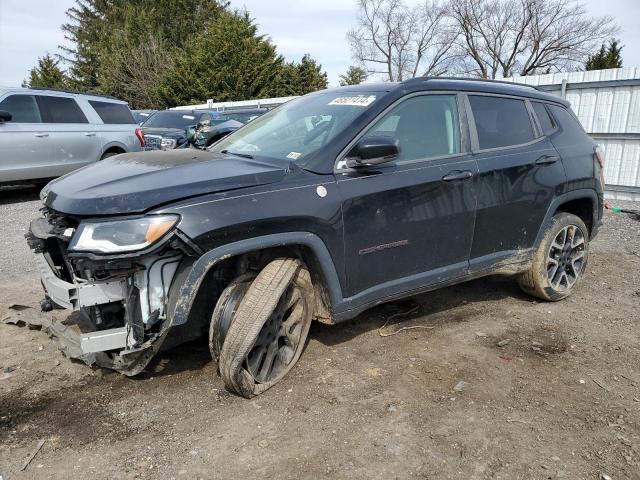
598	156
140	136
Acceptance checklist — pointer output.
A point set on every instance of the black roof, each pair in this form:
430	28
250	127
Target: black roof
457	84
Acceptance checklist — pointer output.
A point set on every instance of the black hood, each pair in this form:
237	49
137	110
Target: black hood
137	182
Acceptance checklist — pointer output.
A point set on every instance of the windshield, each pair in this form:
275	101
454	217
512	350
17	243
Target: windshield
297	128
169	119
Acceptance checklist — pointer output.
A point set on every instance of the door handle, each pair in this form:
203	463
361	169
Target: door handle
457	175
547	159
41	135
90	134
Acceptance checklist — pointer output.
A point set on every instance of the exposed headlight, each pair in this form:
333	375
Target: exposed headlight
121	235
168	143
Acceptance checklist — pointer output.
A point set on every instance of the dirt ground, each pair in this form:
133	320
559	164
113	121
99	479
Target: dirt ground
560	400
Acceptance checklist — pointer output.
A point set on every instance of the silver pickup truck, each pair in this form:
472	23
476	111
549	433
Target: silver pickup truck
47	133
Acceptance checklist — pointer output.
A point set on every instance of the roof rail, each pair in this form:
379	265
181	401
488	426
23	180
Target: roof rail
74	92
474	79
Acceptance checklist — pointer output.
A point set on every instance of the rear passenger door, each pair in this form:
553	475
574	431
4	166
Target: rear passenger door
25	147
73	139
520	172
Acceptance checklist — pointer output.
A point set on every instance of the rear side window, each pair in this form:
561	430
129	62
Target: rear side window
546	122
60	110
23	108
112	113
501	122
567	121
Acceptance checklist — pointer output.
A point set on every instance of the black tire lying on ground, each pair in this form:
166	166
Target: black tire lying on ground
269	328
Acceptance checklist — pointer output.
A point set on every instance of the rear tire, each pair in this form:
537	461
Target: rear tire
269	328
109	154
560	260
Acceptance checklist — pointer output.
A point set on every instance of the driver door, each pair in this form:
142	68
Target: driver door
409	223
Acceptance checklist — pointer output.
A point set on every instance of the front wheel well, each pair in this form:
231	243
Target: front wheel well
582	208
223	272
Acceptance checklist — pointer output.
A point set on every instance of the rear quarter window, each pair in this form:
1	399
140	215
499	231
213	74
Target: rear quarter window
547	123
501	122
112	113
60	110
567	121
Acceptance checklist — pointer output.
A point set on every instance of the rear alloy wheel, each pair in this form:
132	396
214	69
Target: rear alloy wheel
560	260
268	328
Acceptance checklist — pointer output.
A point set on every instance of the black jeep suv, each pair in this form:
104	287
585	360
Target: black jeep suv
328	205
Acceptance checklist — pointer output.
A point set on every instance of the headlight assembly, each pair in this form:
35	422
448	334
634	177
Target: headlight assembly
117	236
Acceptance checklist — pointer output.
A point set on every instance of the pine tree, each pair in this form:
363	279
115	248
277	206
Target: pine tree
607	57
229	61
310	76
46	74
354	76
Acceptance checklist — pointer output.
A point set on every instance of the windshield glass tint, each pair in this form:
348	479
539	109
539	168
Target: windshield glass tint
179	120
298	128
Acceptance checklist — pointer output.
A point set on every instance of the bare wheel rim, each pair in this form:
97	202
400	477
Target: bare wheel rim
566	257
279	339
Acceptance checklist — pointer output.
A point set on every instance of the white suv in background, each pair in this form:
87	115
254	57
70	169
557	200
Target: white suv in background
47	133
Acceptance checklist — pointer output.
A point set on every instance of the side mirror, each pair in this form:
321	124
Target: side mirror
5	116
373	151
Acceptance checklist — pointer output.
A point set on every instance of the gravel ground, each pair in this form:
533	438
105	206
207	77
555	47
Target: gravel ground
551	390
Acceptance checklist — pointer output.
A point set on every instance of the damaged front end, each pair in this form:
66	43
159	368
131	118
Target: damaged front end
117	274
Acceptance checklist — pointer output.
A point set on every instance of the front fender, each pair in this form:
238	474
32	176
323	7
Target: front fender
199	269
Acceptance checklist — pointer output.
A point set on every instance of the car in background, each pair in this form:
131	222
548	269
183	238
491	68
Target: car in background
218	125
46	133
142	116
167	129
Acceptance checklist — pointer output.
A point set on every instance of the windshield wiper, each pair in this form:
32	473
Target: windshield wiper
243	155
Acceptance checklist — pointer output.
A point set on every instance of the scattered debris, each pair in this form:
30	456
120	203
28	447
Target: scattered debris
508	358
504	343
481	335
537	344
263	444
604	476
9	369
392	408
401	314
601	385
32	455
582	381
460	386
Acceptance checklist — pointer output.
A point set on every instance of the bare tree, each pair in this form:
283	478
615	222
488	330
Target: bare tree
501	38
399	42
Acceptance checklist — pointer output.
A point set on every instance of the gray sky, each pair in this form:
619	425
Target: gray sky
30	28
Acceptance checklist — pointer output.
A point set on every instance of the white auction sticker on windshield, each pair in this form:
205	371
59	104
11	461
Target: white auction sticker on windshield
294	155
188	117
355	101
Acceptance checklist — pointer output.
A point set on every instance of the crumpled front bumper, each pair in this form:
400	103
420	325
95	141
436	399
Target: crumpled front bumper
73	296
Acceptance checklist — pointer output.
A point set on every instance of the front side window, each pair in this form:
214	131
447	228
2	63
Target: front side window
23	108
425	126
501	122
298	128
113	113
60	110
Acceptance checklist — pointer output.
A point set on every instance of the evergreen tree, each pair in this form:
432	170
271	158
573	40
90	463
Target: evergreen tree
310	76
607	57
46	74
354	76
229	61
